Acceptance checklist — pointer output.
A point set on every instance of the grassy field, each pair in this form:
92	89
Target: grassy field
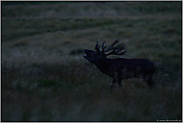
44	76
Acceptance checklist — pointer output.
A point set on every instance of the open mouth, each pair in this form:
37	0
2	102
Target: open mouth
85	54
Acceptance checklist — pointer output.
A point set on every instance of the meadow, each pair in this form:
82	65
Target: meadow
44	76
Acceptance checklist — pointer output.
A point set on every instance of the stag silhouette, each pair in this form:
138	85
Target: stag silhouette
120	68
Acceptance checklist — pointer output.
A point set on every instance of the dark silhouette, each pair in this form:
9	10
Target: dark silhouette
120	68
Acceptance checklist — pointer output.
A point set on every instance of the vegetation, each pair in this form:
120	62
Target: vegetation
46	78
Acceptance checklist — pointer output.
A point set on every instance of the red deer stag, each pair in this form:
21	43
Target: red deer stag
120	68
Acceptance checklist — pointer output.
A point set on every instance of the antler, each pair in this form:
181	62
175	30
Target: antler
115	49
97	47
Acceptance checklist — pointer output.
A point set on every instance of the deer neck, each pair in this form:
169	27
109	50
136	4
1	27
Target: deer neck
103	64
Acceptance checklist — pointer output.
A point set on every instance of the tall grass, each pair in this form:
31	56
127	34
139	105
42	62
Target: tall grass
45	78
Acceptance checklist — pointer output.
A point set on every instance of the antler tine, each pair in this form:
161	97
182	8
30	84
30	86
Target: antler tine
103	47
122	53
119	50
123	47
97	46
111	47
114	43
116	50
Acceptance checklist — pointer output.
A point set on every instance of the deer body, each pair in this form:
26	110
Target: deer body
120	68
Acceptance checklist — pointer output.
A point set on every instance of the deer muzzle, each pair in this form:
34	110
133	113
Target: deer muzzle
85	52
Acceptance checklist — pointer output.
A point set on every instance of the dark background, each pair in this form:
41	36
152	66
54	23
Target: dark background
45	78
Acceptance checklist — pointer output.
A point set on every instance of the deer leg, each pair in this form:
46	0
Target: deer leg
113	84
120	83
149	82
